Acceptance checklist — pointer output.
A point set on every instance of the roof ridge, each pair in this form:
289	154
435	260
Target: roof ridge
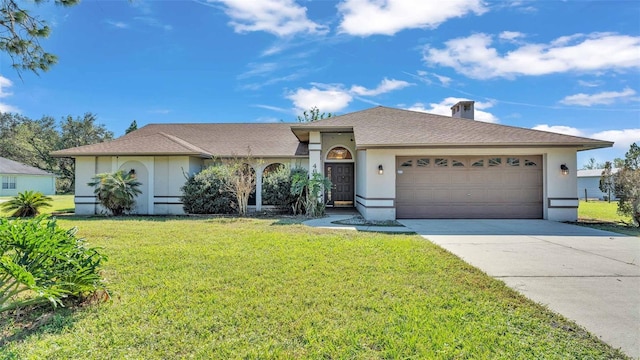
184	143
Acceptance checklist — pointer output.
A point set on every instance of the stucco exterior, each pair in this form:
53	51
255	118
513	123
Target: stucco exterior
164	155
45	184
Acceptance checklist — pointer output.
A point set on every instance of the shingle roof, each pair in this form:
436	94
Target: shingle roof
388	127
15	168
375	127
264	140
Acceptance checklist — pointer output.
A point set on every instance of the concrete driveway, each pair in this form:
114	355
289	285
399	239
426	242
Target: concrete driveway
587	275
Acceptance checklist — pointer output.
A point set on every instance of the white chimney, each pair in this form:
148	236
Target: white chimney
463	109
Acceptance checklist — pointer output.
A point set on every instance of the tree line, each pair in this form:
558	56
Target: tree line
31	141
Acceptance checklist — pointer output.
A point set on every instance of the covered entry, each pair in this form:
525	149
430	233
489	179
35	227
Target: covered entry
469	187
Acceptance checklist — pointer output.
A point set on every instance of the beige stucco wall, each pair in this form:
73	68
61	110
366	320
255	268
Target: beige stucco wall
379	190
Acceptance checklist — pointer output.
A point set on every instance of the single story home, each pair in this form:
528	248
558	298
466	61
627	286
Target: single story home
16	177
388	163
589	184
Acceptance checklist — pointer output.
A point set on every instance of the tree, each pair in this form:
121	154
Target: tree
132	127
618	163
592	165
627	185
607	180
312	115
116	191
77	132
240	180
27	204
20	34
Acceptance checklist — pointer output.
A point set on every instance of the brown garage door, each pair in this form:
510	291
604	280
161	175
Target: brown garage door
469	187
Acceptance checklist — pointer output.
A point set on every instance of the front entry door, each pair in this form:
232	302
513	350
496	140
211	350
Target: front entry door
341	176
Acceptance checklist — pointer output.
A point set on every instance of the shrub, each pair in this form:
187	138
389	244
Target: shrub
308	191
41	262
116	191
276	187
27	204
204	193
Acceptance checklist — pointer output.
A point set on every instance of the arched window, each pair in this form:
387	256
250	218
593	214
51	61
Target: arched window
339	153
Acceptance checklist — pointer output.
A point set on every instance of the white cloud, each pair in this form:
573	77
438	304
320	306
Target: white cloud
566	130
330	99
475	56
118	24
603	98
622	138
4	84
444	108
385	86
589	83
510	35
387	17
335	97
279	17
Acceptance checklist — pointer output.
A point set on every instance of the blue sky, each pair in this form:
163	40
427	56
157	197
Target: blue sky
566	66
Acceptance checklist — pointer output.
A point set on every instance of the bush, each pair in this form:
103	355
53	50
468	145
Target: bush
204	193
276	187
116	191
41	262
27	204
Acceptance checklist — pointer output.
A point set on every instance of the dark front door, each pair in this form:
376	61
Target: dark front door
341	175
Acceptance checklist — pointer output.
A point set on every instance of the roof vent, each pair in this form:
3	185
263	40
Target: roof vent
463	109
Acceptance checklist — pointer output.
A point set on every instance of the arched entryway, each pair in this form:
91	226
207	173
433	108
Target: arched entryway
142	175
339	168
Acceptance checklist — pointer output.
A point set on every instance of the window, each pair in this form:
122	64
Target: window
407	163
513	161
8	182
495	162
530	163
441	162
478	163
423	162
456	163
339	153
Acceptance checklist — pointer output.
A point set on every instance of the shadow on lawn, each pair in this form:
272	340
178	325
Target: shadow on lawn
19	324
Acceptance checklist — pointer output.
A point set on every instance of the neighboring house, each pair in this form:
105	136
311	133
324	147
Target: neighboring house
388	163
589	184
16	177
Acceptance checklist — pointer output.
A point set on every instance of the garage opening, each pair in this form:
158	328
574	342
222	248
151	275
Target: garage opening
474	187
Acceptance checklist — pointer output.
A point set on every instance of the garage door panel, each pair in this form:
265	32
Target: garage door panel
502	191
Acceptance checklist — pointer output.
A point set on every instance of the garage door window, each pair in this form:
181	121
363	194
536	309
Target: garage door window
441	162
530	163
478	163
513	161
423	162
495	162
457	163
408	163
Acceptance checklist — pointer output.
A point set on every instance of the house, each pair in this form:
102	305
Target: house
589	184
388	163
16	177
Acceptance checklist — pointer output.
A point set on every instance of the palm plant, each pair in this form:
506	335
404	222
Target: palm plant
116	191
27	204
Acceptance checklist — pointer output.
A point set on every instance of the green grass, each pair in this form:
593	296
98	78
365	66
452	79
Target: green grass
61	204
603	215
250	288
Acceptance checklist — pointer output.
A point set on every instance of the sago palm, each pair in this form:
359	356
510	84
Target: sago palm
116	191
27	203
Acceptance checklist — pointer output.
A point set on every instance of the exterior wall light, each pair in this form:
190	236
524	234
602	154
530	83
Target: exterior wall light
564	169
380	170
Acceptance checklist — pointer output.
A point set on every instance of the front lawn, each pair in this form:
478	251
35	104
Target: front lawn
248	288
